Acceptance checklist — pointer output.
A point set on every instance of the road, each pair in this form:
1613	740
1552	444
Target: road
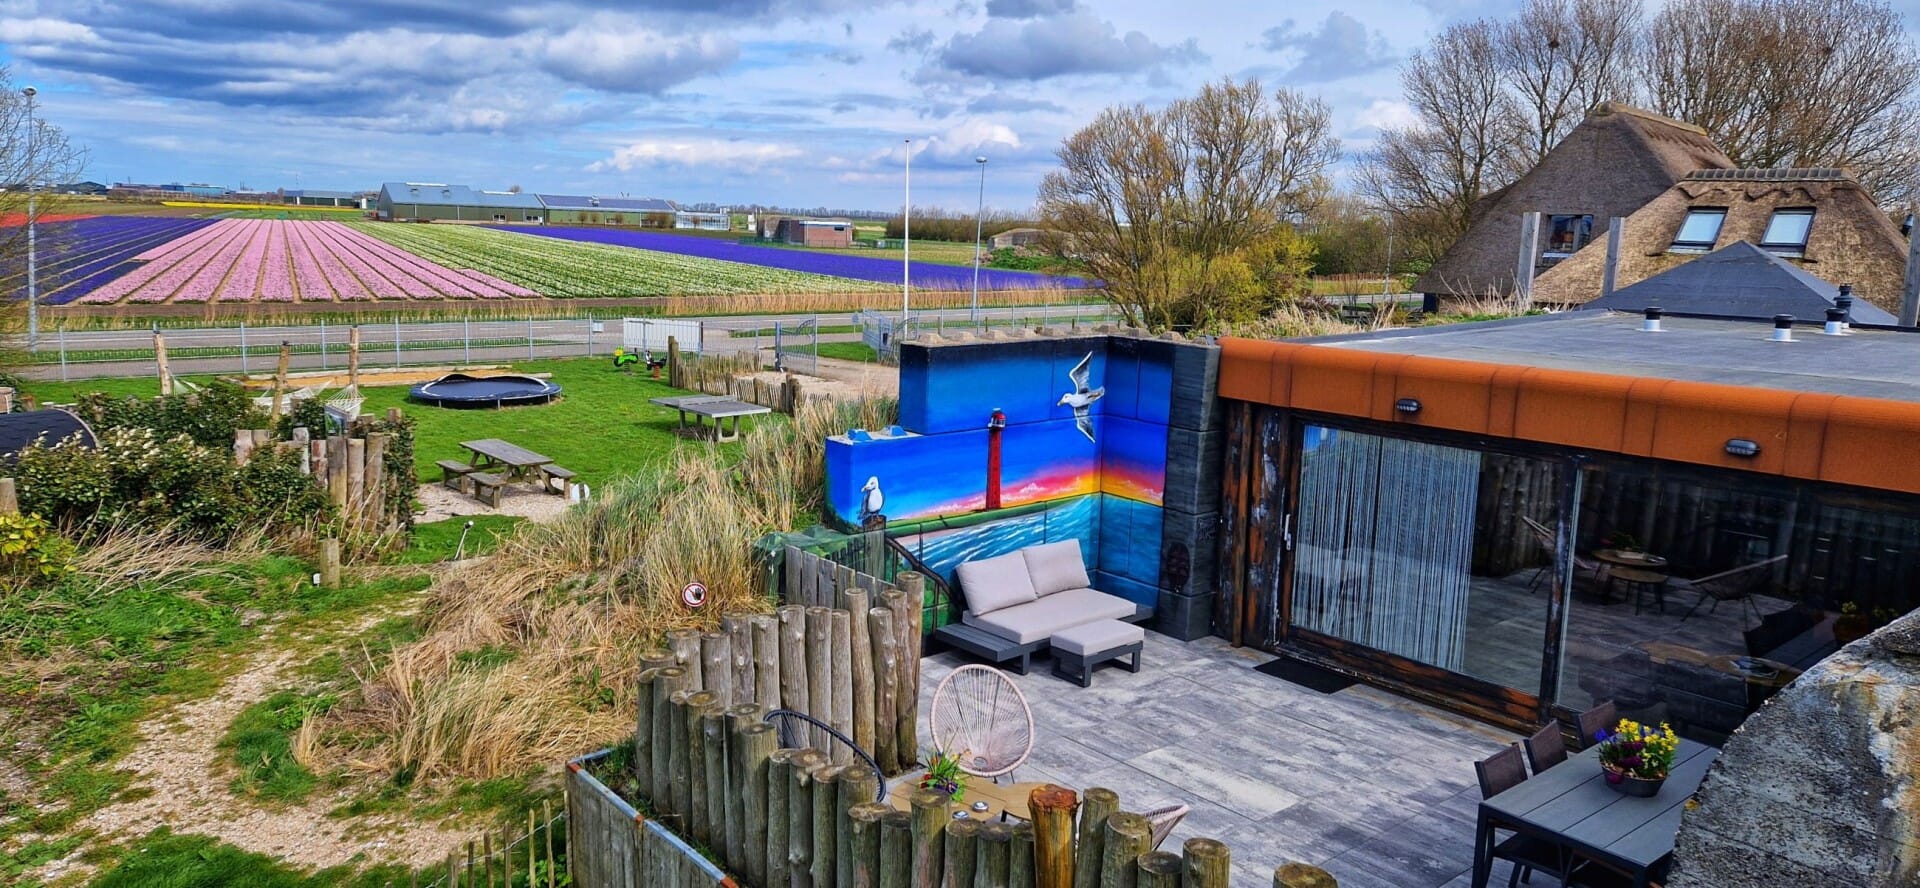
320	346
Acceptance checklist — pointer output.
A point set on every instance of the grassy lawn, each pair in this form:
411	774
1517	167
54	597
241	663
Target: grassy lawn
601	427
848	351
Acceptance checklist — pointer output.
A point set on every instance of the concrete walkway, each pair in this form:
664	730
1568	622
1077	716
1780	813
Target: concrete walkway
1376	789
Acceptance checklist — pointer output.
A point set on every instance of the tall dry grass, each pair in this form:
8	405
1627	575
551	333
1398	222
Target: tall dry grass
530	657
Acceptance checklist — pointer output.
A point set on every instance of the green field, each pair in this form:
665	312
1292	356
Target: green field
571	269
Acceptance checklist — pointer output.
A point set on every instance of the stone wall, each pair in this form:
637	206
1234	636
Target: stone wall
1818	788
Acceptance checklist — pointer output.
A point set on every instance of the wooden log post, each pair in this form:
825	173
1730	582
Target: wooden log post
713	748
685	647
765	629
377	479
667	681
1096	805
671	805
855	603
356	476
1206	863
9	497
779	787
929	836
826	797
275	409
819	670
643	747
1294	874
1128	835
906	703
800	791
991	855
756	742
1158	869
353	355
739	717
896	850
337	472
740	641
841	653
1020	857
962	836
661	658
793	657
863	824
329	561
855	787
160	362
716	659
1052	808
915	585
884	659
694	807
674	370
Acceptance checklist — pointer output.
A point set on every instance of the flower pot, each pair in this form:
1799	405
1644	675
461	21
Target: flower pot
1638	787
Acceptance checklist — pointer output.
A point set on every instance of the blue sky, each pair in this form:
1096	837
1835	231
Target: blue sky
794	102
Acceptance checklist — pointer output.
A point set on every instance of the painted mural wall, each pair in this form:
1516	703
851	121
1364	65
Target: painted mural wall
1012	443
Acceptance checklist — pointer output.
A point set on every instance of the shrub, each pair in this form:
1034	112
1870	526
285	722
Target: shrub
208	416
30	550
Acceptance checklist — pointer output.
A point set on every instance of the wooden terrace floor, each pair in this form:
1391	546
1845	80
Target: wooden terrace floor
1376	789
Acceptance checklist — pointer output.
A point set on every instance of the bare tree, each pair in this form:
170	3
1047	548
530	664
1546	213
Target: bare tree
1803	83
1184	212
34	156
1560	58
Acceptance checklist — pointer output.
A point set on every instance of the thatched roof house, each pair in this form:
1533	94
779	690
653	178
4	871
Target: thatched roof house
1821	220
1738	280
1613	163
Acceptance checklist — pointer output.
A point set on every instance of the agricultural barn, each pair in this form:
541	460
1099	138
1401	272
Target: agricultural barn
313	197
721	221
578	209
80	188
815	232
440	202
1018	237
1820	221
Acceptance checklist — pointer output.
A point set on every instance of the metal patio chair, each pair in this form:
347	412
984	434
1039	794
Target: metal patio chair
798	730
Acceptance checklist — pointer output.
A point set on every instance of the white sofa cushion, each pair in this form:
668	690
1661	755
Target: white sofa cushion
1096	637
1040	620
1056	567
992	584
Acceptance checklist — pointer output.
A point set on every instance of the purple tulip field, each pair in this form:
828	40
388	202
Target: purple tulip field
926	276
248	260
80	255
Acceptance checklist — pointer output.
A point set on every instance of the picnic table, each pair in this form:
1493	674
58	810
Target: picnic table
1571	805
493	453
718	408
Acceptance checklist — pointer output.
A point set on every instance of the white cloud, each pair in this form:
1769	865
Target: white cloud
19	31
619	55
1386	114
695	153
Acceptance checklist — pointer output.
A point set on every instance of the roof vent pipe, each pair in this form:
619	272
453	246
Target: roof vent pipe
1844	302
1782	328
1836	322
1652	323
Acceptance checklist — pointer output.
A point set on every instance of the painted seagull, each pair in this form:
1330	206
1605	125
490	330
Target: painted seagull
1082	397
871	499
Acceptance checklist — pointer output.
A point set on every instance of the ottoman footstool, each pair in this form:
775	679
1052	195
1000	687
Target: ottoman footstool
1078	650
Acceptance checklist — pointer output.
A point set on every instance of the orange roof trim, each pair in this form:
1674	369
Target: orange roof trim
1810	435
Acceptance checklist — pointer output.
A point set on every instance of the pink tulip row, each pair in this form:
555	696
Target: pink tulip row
239	260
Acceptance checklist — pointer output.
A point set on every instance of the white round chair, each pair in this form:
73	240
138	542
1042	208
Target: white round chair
980	716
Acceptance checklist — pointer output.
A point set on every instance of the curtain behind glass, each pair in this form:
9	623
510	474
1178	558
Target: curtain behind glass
1385	543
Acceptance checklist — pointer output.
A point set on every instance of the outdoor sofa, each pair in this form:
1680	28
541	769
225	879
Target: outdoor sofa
1014	604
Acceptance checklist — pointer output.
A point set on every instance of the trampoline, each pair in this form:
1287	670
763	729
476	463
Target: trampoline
461	390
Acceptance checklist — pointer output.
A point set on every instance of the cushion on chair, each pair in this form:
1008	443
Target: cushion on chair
1042	619
1056	567
1096	637
992	584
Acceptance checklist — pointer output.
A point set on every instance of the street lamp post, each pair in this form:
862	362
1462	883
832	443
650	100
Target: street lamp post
906	237
978	215
33	258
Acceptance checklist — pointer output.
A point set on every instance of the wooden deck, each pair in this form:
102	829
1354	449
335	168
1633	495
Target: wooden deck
1375	788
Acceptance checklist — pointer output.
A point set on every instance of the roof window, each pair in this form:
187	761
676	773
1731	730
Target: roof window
1700	230
1787	230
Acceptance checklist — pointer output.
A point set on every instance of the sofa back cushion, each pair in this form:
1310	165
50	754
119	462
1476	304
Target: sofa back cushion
992	584
1056	567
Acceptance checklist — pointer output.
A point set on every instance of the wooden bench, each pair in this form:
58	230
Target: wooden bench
555	479
453	474
486	487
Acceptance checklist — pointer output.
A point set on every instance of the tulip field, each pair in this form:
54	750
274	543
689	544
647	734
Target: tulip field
155	260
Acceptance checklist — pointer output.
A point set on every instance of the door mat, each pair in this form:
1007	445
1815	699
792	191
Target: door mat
1306	675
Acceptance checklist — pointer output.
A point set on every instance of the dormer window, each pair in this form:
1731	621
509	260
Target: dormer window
1787	231
1566	234
1700	230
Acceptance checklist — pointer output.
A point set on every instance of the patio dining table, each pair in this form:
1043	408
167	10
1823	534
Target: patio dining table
1571	805
1000	798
